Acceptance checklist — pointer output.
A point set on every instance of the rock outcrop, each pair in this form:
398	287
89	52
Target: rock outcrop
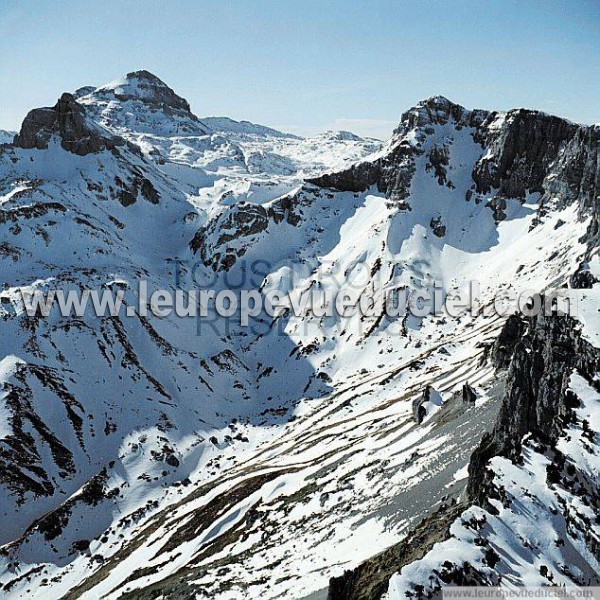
468	394
537	401
419	410
520	151
67	121
226	239
504	345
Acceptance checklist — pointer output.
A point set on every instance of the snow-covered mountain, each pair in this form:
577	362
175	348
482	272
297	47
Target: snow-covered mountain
244	128
6	137
163	457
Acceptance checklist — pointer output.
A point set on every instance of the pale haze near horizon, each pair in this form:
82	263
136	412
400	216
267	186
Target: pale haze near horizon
309	66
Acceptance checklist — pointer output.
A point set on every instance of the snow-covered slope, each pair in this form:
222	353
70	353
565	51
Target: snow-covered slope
258	462
244	128
6	137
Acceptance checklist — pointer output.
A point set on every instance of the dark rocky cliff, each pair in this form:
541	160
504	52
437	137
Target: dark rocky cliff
537	400
521	151
67	121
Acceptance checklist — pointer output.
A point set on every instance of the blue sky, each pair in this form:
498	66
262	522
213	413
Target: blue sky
305	65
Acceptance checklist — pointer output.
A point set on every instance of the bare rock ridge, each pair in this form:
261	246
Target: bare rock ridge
67	120
528	151
545	350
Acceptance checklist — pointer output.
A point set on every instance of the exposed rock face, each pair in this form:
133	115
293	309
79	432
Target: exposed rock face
66	120
536	401
528	152
578	178
504	345
578	168
356	179
519	151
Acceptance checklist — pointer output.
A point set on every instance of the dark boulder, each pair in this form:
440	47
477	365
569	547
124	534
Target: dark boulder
469	395
583	278
419	411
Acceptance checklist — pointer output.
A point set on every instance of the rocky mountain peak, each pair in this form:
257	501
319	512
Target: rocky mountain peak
140	102
144	87
435	110
438	102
